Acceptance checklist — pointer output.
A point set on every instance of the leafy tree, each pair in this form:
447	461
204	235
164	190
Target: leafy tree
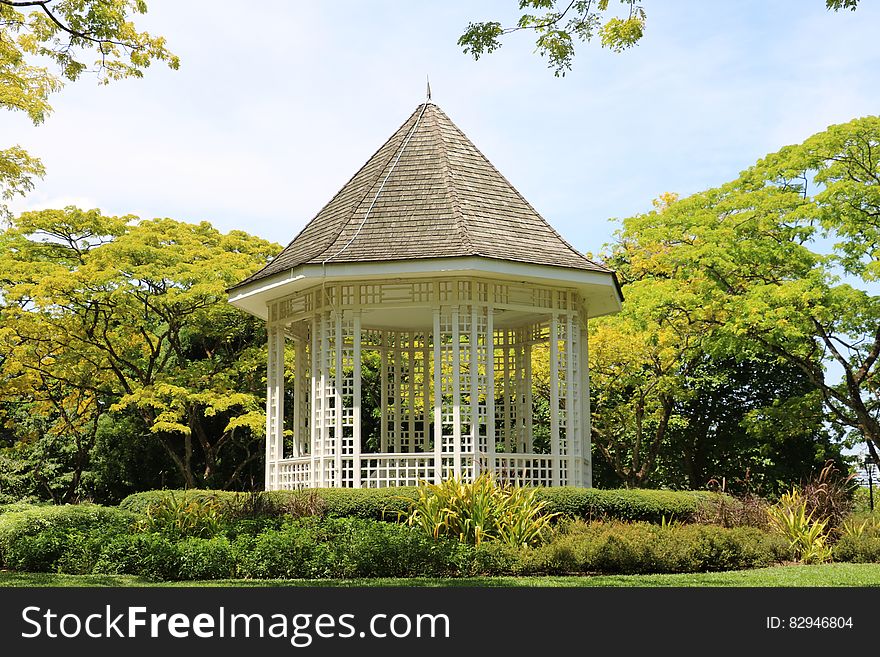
66	34
738	262
115	314
757	425
558	24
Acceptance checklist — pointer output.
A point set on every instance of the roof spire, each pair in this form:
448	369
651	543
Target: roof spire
429	87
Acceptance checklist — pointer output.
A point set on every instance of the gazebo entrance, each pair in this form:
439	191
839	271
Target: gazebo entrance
412	310
454	384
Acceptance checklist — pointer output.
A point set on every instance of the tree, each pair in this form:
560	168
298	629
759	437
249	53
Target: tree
559	23
756	425
119	315
637	370
738	262
65	33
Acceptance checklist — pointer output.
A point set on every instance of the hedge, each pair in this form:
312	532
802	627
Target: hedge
387	503
59	538
638	548
319	548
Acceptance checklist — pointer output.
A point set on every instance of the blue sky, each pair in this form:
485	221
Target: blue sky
276	104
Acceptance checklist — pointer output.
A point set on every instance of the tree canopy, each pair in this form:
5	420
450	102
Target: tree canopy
75	37
559	24
105	314
757	266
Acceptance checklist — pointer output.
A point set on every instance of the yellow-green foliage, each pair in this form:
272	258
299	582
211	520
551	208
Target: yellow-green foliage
182	517
807	537
480	511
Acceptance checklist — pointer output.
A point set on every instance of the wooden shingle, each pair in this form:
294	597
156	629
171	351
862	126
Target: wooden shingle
438	197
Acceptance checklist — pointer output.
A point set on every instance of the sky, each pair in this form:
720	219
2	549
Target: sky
277	103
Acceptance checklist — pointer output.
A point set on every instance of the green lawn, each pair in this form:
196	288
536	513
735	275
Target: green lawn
838	574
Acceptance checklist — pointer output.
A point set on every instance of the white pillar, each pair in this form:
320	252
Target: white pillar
397	363
506	379
474	360
586	431
274	405
337	406
571	432
456	394
490	387
529	424
317	400
383	404
438	398
356	411
554	398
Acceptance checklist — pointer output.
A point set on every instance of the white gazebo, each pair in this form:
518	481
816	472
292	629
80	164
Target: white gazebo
429	267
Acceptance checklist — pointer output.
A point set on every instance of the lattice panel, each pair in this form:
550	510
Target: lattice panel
294	474
470	392
525	470
381	471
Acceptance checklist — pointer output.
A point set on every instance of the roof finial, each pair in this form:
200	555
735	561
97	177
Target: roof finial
429	87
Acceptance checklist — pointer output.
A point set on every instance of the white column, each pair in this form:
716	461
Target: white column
298	392
316	405
326	386
456	393
586	431
274	405
529	424
356	428
554	398
506	379
571	433
383	382
438	398
490	387
474	389
426	392
337	407
397	363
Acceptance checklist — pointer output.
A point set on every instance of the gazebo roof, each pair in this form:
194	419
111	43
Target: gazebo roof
428	192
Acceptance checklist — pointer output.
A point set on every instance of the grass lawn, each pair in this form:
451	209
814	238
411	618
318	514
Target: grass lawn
837	574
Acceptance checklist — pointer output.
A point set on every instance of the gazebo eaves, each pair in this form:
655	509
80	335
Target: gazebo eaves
599	288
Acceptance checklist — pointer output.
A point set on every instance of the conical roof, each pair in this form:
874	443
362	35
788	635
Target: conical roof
428	192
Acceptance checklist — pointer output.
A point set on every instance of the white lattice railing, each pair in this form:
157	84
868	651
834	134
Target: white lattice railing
526	469
388	470
291	474
384	470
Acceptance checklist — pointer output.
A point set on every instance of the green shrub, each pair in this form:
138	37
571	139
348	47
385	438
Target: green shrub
346	548
299	550
58	538
12	507
140	502
367	503
181	517
480	511
636	548
807	536
625	504
149	555
859	540
206	558
391	503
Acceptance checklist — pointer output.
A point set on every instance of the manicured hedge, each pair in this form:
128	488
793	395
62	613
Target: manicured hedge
91	539
636	548
624	504
59	538
387	503
139	502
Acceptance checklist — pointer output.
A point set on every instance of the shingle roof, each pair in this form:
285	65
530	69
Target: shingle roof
428	192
